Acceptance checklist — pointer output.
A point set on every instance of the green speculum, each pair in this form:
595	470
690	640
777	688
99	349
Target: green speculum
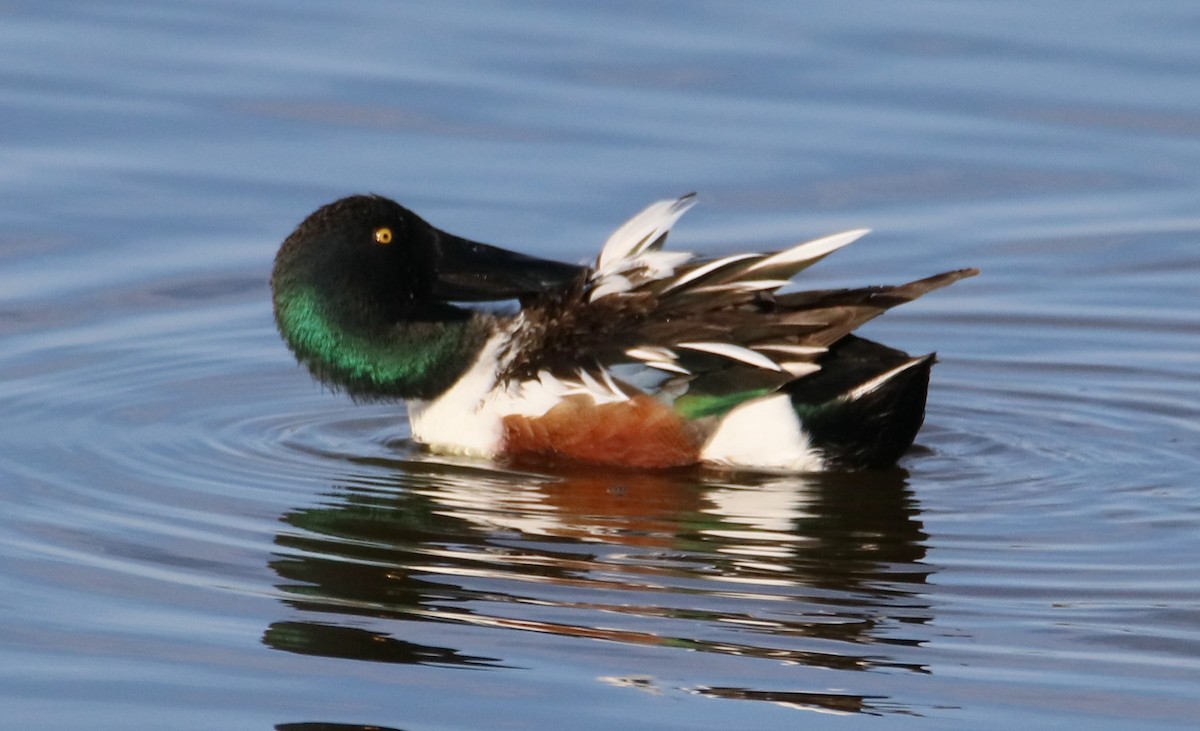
412	359
695	406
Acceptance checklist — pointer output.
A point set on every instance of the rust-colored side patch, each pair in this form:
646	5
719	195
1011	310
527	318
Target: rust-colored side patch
640	432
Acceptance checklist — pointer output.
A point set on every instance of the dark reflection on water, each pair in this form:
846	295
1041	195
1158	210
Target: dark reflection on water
822	571
831	701
330	727
1037	568
327	640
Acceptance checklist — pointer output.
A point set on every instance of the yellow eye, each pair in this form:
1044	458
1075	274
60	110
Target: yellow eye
383	235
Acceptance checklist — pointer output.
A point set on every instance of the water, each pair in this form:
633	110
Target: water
196	536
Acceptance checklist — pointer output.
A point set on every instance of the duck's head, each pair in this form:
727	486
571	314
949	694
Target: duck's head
364	291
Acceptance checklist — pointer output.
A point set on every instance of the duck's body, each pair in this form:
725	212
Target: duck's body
645	359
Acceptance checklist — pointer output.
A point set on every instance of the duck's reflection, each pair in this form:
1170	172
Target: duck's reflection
330	640
822	571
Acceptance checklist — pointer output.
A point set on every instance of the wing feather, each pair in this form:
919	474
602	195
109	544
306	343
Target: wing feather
644	232
718	326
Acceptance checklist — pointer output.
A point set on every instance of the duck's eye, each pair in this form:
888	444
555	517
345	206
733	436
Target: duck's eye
383	235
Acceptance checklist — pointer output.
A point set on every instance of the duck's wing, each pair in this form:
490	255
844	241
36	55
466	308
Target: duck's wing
714	331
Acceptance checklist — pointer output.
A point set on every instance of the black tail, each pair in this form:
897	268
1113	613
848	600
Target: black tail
862	426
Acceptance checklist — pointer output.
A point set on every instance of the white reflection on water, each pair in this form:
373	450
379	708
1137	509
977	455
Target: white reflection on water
187	517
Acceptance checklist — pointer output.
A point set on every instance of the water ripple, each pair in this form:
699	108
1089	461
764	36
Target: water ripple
180	448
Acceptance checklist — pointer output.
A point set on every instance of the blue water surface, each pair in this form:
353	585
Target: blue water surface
196	536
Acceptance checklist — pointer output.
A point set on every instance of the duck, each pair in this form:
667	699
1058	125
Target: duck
643	358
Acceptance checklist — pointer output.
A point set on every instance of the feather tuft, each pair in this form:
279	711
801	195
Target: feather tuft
644	232
733	352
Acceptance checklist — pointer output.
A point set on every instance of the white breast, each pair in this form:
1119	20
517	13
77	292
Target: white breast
460	421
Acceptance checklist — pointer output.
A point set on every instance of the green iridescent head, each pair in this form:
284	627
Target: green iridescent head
363	292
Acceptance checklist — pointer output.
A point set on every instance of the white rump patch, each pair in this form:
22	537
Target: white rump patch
763	434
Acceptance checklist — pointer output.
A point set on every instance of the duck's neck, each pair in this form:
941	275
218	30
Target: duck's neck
408	359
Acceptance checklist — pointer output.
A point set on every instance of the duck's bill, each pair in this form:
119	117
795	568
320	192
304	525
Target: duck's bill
468	271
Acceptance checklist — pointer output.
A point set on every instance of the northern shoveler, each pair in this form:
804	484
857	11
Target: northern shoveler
645	358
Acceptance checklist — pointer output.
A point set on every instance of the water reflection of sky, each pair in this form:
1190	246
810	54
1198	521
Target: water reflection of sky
789	570
186	517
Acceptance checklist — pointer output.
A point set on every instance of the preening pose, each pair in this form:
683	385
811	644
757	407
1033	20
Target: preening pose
647	358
